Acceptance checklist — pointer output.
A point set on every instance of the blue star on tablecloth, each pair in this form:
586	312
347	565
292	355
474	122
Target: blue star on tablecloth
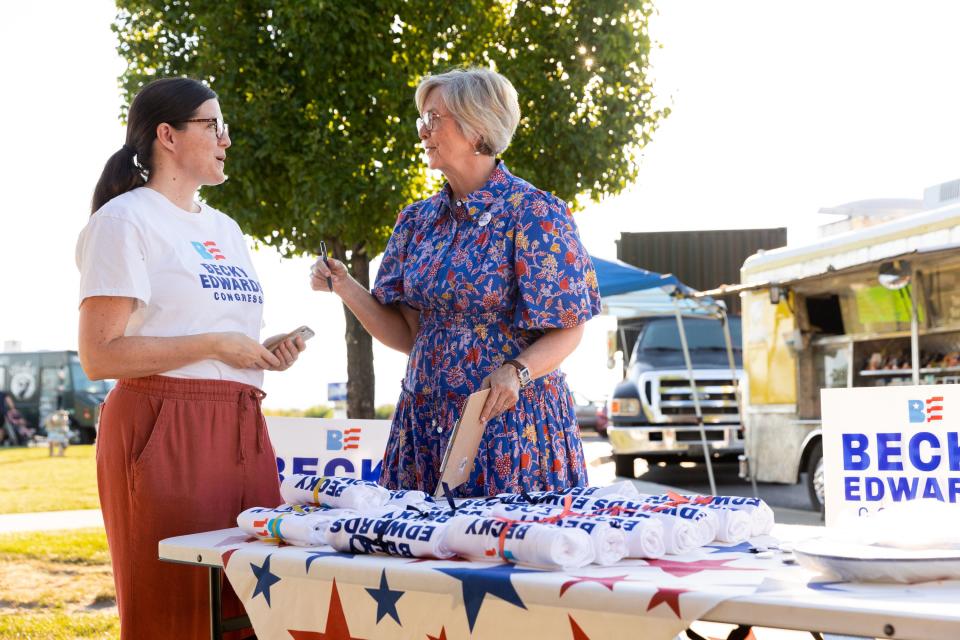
386	599
265	579
827	586
477	583
323	554
743	547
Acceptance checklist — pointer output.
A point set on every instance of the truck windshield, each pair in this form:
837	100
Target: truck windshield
82	383
663	335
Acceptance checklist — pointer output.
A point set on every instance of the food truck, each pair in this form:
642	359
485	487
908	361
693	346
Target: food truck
878	306
41	382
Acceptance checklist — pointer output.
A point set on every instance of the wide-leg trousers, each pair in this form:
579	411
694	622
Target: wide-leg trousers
177	456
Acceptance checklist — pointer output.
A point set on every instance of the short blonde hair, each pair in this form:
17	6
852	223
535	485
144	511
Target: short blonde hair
483	102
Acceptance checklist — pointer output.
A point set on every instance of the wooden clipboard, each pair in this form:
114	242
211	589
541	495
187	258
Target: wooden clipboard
461	451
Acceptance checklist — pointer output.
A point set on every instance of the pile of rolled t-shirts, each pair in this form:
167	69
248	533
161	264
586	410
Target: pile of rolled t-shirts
547	529
609	542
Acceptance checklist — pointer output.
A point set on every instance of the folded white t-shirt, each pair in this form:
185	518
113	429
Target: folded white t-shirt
609	543
681	531
299	525
390	536
535	544
645	535
761	515
409	496
732	524
333	491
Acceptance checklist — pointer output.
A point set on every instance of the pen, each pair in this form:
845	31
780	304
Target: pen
323	254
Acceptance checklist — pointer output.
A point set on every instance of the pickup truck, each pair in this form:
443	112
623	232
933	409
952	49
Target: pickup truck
652	414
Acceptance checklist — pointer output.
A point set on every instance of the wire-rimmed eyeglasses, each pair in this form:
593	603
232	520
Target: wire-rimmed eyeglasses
428	121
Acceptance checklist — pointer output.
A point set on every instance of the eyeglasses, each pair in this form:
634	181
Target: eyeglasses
428	121
223	129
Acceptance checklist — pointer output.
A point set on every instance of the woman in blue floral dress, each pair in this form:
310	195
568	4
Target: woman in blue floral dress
483	284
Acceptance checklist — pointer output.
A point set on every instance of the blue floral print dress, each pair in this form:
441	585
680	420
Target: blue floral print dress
488	275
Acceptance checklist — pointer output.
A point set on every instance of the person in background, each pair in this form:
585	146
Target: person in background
57	427
485	285
171	306
8	437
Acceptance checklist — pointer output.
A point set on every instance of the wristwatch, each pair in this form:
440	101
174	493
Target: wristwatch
522	372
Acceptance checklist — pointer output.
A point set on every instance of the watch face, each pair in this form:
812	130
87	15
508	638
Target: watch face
524	377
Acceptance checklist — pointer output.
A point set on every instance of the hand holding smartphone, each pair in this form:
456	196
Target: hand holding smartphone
304	333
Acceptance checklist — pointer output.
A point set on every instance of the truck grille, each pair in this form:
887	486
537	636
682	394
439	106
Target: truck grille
672	398
713	435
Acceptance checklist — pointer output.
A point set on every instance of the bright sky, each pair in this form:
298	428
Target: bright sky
778	109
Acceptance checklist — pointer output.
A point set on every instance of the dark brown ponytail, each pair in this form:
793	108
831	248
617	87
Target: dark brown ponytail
170	100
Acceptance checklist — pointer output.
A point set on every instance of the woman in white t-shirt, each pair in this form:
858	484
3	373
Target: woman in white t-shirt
171	305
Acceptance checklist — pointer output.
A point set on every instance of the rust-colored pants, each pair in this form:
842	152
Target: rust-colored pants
177	456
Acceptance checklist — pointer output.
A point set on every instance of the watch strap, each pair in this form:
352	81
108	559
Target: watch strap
522	372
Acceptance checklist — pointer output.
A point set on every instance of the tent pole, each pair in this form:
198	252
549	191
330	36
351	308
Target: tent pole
725	321
914	336
696	397
624	361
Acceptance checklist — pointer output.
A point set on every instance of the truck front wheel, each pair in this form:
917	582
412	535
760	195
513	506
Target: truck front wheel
623	464
815	476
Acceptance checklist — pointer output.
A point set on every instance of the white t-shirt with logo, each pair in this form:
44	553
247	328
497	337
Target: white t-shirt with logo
189	272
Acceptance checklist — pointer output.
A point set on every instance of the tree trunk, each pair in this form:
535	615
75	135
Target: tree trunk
360	377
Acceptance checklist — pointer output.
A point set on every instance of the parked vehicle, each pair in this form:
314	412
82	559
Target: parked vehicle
840	314
43	381
652	412
603	420
590	413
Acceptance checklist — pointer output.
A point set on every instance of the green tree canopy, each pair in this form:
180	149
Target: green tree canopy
319	97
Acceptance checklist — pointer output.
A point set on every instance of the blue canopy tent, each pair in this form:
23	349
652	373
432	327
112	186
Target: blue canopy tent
616	277
631	292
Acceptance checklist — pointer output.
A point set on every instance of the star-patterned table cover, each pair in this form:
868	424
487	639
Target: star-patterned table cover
316	593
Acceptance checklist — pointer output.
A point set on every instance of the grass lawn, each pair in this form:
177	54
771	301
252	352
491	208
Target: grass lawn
57	585
30	480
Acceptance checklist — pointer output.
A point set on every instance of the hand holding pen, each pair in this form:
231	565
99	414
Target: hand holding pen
323	255
325	271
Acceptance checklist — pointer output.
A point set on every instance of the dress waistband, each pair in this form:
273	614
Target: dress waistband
192	388
463	319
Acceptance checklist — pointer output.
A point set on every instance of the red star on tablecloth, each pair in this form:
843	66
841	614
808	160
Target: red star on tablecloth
669	596
225	557
578	633
336	623
681	569
442	636
607	581
241	539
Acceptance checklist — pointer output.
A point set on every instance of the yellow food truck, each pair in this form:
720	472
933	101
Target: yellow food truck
878	306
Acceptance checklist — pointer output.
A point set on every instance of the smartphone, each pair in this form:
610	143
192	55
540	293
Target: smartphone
304	333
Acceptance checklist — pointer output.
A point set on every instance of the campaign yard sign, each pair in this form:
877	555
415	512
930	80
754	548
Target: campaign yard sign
322	447
883	445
